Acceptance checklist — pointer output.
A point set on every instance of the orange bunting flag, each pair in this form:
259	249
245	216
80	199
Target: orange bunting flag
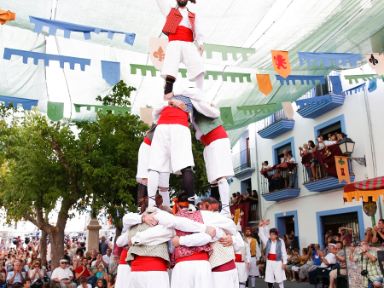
280	60
264	82
6	16
342	169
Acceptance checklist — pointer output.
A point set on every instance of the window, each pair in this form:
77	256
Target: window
280	152
331	129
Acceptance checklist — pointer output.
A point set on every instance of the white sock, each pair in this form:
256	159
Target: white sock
153	183
199	80
166	199
224	196
281	285
242	285
252	281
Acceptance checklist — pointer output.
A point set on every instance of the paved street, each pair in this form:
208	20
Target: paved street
287	284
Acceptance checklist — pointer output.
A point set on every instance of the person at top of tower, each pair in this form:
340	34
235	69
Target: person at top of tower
183	28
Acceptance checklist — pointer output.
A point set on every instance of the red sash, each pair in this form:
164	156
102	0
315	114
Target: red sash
173	115
238	258
272	257
182	34
215	134
147	141
194	257
225	267
147	263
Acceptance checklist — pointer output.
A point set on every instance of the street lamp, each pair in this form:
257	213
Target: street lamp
347	145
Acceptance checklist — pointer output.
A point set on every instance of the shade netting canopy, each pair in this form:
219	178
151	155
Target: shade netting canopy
293	25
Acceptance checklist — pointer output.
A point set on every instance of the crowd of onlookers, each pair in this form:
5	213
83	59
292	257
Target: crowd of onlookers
21	265
314	168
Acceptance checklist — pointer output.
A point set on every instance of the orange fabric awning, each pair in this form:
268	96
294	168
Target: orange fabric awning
363	189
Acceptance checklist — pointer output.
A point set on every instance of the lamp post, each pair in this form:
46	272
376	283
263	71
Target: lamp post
347	145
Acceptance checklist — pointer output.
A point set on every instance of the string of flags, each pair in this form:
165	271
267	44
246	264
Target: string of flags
6	15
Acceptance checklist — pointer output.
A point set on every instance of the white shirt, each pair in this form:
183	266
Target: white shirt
165	6
61	273
264	236
106	259
331	259
88	286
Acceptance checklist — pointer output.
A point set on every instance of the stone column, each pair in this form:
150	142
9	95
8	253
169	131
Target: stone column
93	234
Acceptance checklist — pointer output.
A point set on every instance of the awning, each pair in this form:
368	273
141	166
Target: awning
363	189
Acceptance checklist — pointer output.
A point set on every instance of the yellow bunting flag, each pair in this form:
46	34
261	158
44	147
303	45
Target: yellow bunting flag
264	83
342	169
288	110
6	16
281	64
157	48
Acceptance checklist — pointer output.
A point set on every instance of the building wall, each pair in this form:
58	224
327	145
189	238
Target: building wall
357	127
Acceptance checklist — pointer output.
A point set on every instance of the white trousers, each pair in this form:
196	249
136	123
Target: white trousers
149	279
123	276
182	52
227	279
192	274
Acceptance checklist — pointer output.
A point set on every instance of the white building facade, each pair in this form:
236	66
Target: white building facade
295	207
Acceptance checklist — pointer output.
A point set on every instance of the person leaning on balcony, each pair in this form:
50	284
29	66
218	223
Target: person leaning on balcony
378	232
288	158
306	160
314	162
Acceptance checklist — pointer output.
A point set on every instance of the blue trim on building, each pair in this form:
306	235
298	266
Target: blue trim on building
320	214
278	145
281	229
326	184
277	128
319	105
330	122
283	194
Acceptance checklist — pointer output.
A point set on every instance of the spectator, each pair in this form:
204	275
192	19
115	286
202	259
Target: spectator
16	278
103	245
378	232
341	260
99	260
36	274
367	258
113	264
101	283
3	273
312	148
101	272
313	262
306	160
84	283
107	257
62	276
27	283
345	236
83	271
368	235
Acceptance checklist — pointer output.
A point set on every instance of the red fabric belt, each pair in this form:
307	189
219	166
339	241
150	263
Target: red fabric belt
123	256
194	257
173	115
272	257
147	141
225	267
238	258
147	263
215	134
182	34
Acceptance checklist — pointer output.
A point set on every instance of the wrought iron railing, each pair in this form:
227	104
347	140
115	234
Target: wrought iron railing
275	117
242	160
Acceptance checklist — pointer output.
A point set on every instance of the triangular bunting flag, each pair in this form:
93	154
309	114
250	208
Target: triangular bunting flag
376	61
264	83
281	64
157	48
6	16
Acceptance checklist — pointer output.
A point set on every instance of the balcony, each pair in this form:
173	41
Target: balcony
242	163
280	182
319	105
276	125
319	170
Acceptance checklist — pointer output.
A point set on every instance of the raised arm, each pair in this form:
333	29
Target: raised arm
263	235
153	236
164	6
284	252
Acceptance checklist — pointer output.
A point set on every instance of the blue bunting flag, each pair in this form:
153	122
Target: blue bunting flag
36	56
110	71
68	28
329	59
15	101
304	79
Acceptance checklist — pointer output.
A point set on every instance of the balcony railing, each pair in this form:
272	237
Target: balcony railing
280	182
275	125
242	161
319	170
